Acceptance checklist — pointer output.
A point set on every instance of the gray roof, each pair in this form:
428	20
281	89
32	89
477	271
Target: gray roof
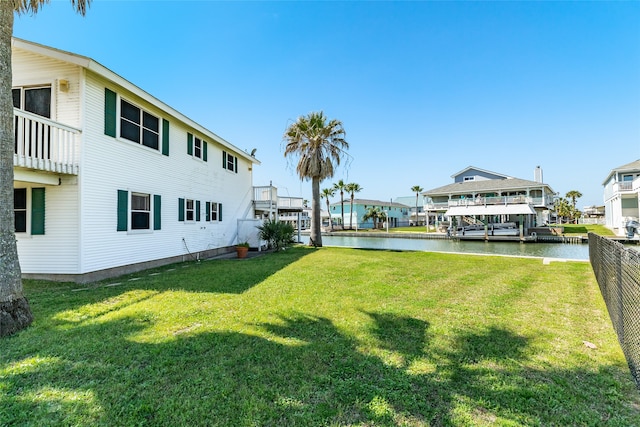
485	185
629	167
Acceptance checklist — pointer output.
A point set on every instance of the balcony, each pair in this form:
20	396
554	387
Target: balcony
266	198
485	201
45	145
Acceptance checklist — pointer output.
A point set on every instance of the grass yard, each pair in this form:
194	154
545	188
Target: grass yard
322	337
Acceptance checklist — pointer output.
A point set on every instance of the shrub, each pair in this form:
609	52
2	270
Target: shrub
277	234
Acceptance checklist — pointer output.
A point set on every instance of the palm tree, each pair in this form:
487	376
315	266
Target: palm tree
15	313
318	143
352	188
340	186
325	194
374	214
573	195
417	189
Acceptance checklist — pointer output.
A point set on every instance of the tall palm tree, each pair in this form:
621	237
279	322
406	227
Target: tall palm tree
325	194
417	189
318	143
15	313
352	188
340	186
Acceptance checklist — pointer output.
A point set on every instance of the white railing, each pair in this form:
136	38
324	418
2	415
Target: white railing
265	194
45	145
290	203
497	200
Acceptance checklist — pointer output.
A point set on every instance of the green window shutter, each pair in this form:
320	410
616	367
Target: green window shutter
204	151
189	144
157	209
197	210
219	211
207	214
123	210
110	118
37	211
224	160
180	209
165	137
235	164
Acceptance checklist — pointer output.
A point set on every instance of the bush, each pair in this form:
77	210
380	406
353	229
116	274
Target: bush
277	234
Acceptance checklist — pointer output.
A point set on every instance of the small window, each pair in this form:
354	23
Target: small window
197	147
140	211
190	210
469	178
229	162
20	209
214	212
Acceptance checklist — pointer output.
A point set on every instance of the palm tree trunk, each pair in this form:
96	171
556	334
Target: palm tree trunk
351	214
315	238
342	209
15	313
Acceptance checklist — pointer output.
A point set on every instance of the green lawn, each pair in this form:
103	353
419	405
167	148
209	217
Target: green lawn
584	229
324	337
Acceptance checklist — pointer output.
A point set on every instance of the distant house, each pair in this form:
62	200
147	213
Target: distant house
410	201
397	213
480	195
109	180
621	196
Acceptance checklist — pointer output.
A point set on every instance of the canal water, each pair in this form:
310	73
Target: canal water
571	251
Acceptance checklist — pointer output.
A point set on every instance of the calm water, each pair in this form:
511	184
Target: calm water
547	250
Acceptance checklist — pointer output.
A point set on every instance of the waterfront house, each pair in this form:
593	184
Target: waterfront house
622	196
480	196
108	179
397	213
415	217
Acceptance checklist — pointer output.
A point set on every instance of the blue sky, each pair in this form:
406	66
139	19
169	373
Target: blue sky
424	89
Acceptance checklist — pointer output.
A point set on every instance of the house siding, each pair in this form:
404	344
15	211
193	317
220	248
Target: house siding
112	164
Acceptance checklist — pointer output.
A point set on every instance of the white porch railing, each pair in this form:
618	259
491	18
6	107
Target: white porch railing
497	200
290	203
45	145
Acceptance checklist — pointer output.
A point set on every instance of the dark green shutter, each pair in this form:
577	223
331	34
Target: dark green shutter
165	137
157	206
37	211
123	209
189	144
197	210
224	160
219	211
180	209
204	151
110	118
235	164
207	214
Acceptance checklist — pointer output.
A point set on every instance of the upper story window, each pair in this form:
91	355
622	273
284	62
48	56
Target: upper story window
196	147
35	99
139	126
229	162
469	178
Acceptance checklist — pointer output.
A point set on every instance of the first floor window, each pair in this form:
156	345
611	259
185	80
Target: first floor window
214	211
140	211
20	209
190	210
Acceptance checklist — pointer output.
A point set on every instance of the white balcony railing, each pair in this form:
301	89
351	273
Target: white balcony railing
482	201
290	203
45	145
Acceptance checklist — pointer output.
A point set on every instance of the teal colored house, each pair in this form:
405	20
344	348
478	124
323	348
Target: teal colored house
397	213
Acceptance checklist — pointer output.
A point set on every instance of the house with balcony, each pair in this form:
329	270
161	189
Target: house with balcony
268	204
622	197
108	179
479	196
397	213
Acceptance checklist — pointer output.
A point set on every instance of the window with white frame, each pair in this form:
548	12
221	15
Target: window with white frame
140	211
139	126
229	162
190	210
214	211
20	209
197	147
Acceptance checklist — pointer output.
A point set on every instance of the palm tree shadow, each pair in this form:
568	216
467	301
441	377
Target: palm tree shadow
406	335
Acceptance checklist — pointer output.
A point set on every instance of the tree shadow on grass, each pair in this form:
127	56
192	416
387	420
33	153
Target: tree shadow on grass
303	371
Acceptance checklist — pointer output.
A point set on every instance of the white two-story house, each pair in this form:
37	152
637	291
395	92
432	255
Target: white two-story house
622	196
108	179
